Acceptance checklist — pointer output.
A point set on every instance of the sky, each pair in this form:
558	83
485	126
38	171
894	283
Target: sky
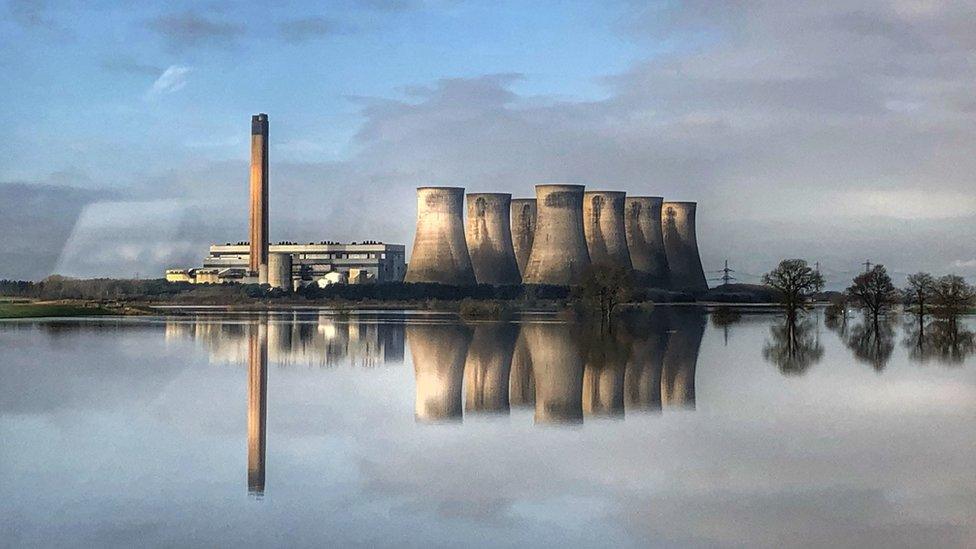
836	131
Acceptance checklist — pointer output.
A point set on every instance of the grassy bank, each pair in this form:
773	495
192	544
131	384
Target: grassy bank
41	310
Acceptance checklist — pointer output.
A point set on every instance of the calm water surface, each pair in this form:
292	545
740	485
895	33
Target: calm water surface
307	428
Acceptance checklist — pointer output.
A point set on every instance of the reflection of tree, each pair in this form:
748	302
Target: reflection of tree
794	346
872	342
942	341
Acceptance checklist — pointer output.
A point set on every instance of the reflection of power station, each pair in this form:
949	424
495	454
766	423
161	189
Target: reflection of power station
257	407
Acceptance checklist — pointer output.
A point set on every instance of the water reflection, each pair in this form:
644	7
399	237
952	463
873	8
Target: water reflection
871	343
942	341
794	346
257	406
487	367
439	352
681	359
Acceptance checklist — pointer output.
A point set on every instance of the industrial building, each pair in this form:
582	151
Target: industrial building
681	246
287	265
440	251
355	262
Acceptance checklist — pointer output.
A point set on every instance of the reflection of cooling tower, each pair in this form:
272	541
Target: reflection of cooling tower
257	407
681	245
439	250
559	255
521	385
557	364
487	367
681	359
279	271
523	230
438	352
642	380
489	239
645	239
603	375
258	261
603	225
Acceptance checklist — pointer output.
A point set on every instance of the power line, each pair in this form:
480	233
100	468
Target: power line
726	277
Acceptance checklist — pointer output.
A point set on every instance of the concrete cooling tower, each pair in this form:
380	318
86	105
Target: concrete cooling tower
279	271
439	352
557	365
681	246
523	229
486	370
489	238
440	253
603	226
559	255
645	239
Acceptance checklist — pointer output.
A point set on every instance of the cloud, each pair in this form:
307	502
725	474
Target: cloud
128	65
190	30
297	31
172	80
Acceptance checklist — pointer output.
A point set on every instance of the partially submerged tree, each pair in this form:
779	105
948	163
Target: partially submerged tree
920	292
952	296
604	287
873	292
796	283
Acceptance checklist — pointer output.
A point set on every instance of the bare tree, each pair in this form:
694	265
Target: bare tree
920	291
873	292
796	283
952	297
604	287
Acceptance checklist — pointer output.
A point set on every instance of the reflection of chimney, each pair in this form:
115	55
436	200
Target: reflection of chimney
257	407
259	196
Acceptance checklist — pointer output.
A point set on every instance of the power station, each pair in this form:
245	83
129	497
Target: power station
603	225
559	255
552	239
440	253
645	240
681	246
489	238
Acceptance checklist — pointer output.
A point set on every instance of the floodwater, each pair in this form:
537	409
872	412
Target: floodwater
311	428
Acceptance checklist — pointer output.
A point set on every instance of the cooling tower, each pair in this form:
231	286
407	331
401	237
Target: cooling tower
487	367
521	383
681	246
557	365
257	406
681	359
440	253
559	255
259	197
489	239
645	239
279	271
603	225
523	230
439	352
642	380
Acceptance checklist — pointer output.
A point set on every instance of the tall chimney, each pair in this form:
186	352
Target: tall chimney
259	197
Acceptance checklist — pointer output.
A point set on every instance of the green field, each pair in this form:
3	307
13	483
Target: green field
38	310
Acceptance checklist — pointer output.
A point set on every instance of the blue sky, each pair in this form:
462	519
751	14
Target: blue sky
836	130
85	75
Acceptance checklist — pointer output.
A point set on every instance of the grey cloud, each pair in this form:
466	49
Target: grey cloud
35	222
298	31
190	30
